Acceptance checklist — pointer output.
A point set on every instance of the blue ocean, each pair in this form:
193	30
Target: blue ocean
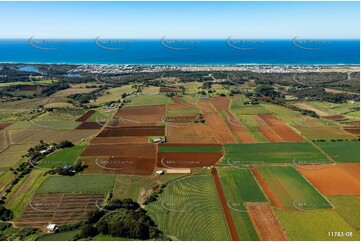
181	52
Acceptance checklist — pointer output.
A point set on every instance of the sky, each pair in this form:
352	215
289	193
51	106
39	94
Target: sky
189	20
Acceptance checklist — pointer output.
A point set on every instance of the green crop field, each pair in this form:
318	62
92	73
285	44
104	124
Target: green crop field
78	184
291	189
348	207
346	151
62	157
189	209
147	100
315	225
22	193
271	153
239	186
190	148
64	236
240	109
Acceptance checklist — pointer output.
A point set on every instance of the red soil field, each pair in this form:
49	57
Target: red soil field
120	165
266	189
336	118
191	140
126	150
280	128
191	145
188	159
180	104
168	89
270	134
352	168
89	125
133	131
120	140
192	131
227	213
355	130
152	114
5	124
239	129
220	103
265	222
58	208
85	116
331	180
37	89
215	122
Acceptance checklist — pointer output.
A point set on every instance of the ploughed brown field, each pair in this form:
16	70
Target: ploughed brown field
152	114
190	133
215	122
168	89
120	140
352	168
131	165
58	209
336	118
144	150
180	118
85	116
180	104
280	128
89	125
265	222
3	125
331	180
133	131
239	129
187	159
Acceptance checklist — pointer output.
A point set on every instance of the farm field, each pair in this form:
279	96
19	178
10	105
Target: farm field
239	108
22	192
59	208
128	186
189	134
348	207
316	225
331	180
62	157
240	187
292	190
77	184
63	236
189	209
346	151
148	100
11	155
241	154
114	94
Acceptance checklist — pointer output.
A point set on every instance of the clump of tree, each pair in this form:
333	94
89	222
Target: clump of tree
266	90
5	214
120	218
69	170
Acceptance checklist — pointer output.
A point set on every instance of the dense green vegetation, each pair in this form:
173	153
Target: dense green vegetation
349	208
345	151
78	184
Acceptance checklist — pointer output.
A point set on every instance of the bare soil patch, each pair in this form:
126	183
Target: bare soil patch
126	150
89	125
265	222
85	116
133	131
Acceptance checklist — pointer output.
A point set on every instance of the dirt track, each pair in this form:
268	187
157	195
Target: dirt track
227	214
265	222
